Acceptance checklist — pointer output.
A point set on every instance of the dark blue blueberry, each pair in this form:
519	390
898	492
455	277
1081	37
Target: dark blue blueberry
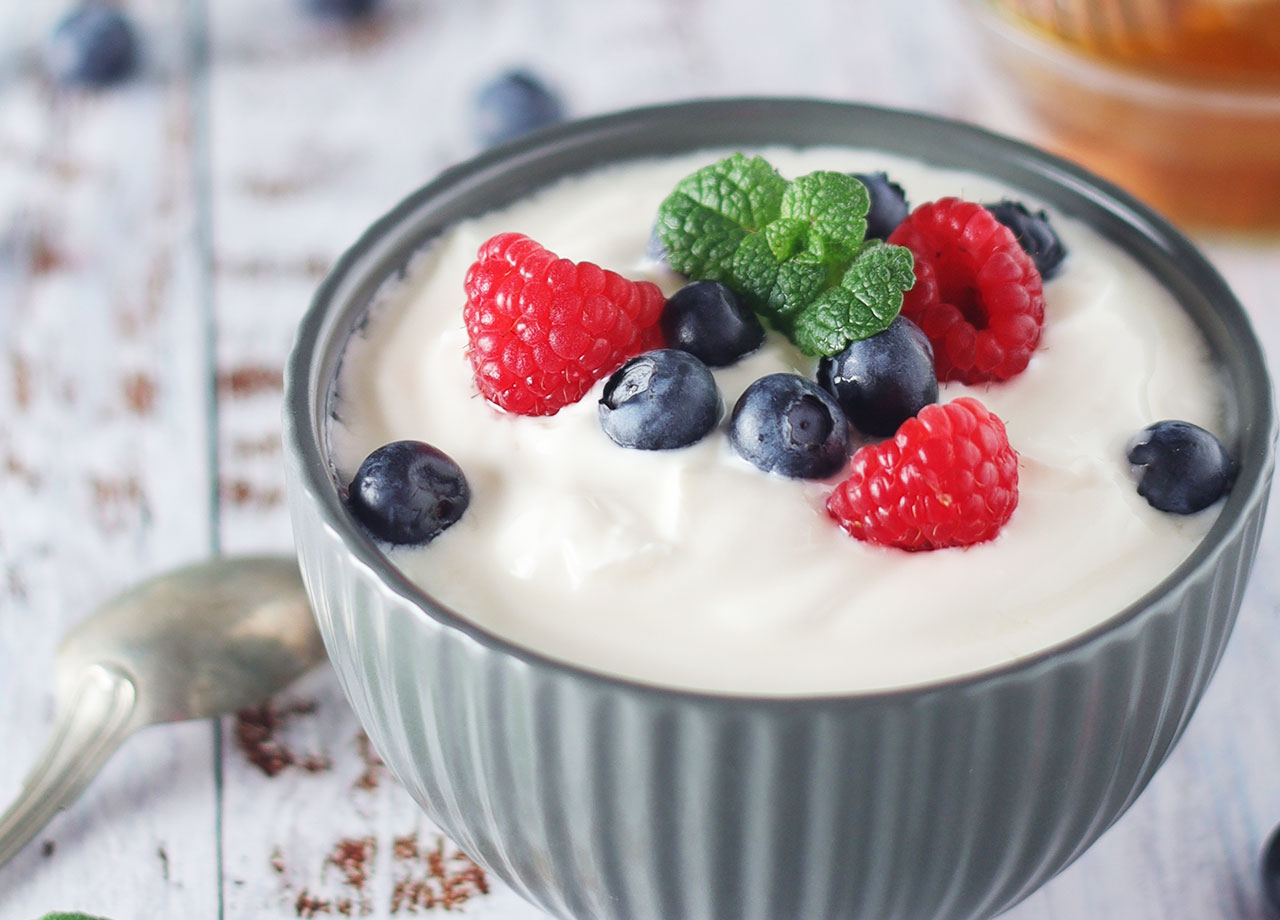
514	104
94	45
341	9
1034	235
784	423
408	492
1180	467
888	204
707	320
1271	871
660	400
882	381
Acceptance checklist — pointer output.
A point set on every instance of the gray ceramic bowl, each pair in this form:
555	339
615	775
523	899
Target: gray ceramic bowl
599	798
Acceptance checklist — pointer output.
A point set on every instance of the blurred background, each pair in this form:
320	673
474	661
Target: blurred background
176	176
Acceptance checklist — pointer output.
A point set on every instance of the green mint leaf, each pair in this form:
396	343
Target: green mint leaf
835	207
865	302
713	210
788	248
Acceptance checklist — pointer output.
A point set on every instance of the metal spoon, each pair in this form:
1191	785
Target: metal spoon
197	642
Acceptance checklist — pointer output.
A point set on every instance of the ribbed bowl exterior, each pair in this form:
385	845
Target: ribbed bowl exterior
603	799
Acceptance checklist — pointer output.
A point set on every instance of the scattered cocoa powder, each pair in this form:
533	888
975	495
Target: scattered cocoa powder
242	493
115	500
448	883
19	470
43	257
308	905
405	848
250	380
21	372
374	768
257	736
139	393
351	855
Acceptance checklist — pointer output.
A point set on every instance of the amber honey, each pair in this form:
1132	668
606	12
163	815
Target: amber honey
1177	101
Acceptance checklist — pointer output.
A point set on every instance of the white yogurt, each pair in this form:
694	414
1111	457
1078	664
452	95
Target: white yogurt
693	569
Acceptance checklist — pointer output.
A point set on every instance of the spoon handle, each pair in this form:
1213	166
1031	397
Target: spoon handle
86	733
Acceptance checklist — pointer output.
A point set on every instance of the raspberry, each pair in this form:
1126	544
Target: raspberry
978	295
947	478
544	329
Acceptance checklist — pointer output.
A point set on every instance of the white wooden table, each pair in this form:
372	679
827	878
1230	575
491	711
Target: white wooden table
158	243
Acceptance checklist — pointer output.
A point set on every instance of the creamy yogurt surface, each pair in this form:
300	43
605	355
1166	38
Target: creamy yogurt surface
693	569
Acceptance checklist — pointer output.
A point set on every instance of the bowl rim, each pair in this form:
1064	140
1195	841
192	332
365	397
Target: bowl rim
1114	79
305	410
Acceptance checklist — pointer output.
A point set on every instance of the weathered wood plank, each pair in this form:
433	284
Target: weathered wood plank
103	474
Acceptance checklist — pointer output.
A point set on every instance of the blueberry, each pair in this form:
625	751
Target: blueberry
784	423
1034	235
660	400
94	45
1180	467
882	381
888	204
408	492
707	320
514	104
341	9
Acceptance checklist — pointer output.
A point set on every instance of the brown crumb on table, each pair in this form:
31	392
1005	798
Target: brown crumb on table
374	768
20	369
43	256
277	861
139	393
308	905
448	882
241	493
352	856
47	848
117	500
19	470
257	736
248	380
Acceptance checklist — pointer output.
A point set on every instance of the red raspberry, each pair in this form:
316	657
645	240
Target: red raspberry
947	478
977	296
544	329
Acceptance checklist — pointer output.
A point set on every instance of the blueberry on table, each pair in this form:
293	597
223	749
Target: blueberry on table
883	380
707	320
787	424
514	104
408	492
1034	234
93	45
660	400
1180	467
340	9
888	204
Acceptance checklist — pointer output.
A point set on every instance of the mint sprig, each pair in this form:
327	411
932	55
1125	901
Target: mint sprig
794	251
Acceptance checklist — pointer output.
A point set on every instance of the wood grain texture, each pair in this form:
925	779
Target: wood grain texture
157	246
